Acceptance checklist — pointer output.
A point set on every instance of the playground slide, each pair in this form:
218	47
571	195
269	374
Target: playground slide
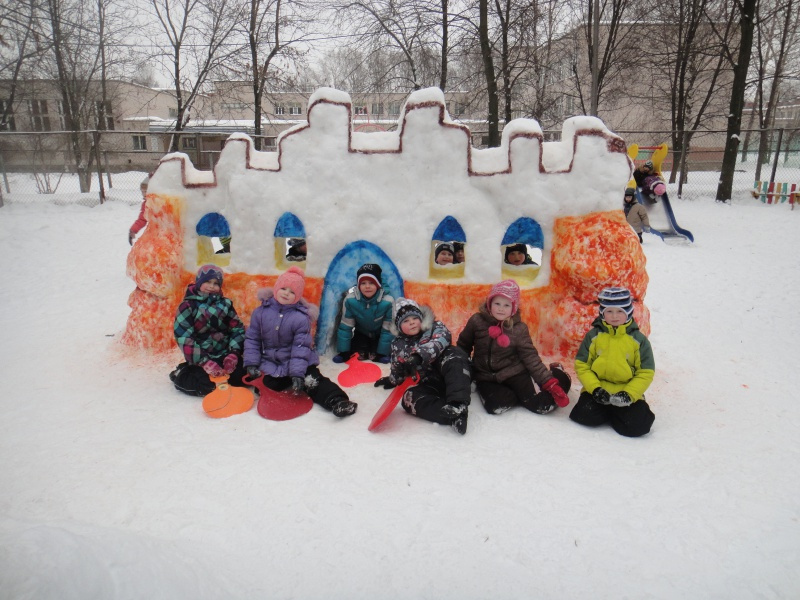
659	210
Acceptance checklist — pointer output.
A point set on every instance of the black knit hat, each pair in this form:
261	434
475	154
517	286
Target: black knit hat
444	246
369	271
207	272
516	248
618	297
405	308
630	192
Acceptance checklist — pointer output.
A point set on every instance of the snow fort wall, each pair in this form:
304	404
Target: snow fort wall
392	197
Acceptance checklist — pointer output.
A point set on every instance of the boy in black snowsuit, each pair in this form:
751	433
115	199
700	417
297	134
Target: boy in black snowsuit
423	348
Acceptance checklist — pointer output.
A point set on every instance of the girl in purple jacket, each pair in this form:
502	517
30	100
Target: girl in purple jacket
279	346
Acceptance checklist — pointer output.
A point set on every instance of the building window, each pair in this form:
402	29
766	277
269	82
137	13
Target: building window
173	113
377	108
189	143
140	142
8	111
280	109
457	108
295	109
360	110
394	109
40	120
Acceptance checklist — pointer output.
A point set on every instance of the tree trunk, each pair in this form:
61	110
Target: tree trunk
445	42
488	69
746	25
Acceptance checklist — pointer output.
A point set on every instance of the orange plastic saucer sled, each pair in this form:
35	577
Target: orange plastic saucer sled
391	402
227	400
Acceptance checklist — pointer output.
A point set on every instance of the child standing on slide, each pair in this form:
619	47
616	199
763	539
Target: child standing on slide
279	346
210	335
504	358
422	348
366	319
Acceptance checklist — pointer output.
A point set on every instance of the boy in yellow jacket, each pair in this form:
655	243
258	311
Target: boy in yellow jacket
615	366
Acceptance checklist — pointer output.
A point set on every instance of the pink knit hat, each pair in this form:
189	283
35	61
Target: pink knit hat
507	289
294	279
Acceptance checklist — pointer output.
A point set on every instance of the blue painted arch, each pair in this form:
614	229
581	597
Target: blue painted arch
289	226
449	230
213	225
341	276
524	231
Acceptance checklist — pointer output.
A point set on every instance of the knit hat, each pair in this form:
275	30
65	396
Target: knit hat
630	192
507	289
649	165
618	297
295	279
405	308
444	246
369	271
516	248
207	272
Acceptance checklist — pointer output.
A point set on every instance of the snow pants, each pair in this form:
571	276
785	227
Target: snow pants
363	344
444	391
193	380
632	421
499	397
319	388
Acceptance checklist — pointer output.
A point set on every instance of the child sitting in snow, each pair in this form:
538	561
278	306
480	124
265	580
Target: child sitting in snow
366	319
210	334
615	366
648	181
635	213
504	358
278	345
422	347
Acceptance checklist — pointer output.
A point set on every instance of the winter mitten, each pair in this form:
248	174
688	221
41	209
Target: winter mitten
213	369
382	358
601	396
343	408
386	382
342	357
621	400
413	364
556	392
230	362
131	237
253	372
298	385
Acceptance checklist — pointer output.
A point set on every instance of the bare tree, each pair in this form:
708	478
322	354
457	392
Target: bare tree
197	34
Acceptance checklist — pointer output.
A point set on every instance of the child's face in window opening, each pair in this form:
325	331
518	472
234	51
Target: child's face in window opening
459	258
445	258
411	326
285	296
212	286
516	257
501	308
367	287
615	316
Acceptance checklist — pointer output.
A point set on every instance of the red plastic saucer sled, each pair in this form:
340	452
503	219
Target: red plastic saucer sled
387	407
279	406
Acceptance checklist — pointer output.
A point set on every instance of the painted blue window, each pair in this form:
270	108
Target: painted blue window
524	231
215	226
449	230
289	226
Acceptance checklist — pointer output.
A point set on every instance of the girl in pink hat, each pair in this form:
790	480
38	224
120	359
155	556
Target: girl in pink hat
279	346
505	363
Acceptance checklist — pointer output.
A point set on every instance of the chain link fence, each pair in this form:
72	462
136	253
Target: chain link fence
92	167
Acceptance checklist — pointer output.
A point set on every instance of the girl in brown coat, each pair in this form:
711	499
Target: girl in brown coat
504	358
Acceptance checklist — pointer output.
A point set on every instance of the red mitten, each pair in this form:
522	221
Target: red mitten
556	392
229	364
213	369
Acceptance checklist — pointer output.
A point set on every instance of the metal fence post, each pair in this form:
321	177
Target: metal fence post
96	136
684	152
5	175
108	171
777	156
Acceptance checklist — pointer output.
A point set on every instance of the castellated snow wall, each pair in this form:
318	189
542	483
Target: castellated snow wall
389	197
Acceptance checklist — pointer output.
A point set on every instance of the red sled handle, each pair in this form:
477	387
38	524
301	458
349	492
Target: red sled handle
391	402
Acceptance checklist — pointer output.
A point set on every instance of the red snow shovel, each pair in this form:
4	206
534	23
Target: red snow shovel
226	400
393	400
279	406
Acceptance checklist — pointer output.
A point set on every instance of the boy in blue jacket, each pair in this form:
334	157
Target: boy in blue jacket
615	366
366	319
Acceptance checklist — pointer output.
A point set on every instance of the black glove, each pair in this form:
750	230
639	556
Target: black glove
386	382
621	399
297	384
601	396
253	372
413	364
131	237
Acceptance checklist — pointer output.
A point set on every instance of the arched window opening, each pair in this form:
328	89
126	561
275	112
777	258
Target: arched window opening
448	251
213	240
290	242
521	250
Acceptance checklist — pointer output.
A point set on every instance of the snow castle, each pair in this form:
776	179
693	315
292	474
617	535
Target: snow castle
391	198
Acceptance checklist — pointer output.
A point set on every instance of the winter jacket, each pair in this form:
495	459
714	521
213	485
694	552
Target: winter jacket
492	362
140	221
429	345
207	327
646	181
279	340
616	359
372	317
637	216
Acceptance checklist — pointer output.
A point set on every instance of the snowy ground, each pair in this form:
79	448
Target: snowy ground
114	485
